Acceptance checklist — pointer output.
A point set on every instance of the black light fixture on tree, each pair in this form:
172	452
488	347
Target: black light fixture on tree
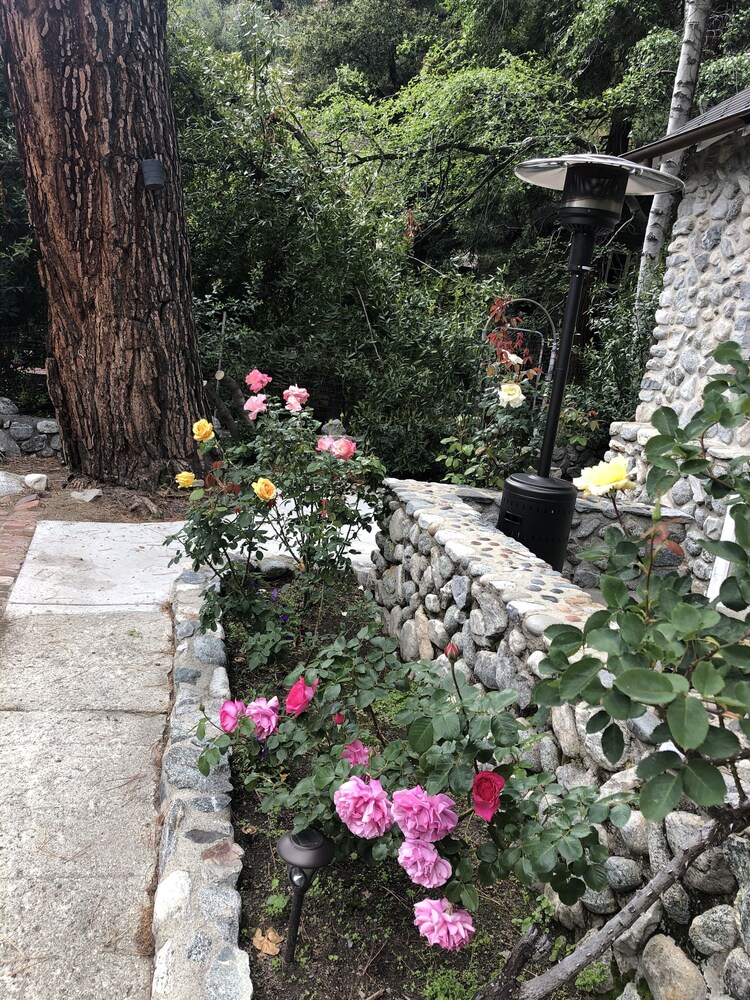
537	510
305	853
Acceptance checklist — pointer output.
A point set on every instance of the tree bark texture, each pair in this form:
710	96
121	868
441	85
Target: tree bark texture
662	207
89	90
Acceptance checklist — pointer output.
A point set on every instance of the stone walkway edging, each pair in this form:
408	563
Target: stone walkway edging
197	907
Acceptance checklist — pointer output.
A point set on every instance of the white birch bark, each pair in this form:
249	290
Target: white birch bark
662	207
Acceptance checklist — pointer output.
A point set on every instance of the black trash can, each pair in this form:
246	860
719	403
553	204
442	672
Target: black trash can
538	512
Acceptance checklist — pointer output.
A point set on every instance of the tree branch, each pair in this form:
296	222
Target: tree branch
715	831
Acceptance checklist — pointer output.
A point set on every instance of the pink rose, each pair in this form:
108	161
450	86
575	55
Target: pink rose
423	864
255	405
363	807
356	753
451	651
338	718
293	404
441	924
324	443
265	715
300	696
343	448
229	715
486	793
422	816
257	380
296	393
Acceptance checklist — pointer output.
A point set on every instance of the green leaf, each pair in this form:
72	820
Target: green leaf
657	763
597	722
619	815
719	743
595	877
617	704
613	744
632	629
730	551
728	352
707	680
703	783
614	591
606	640
504	730
659	796
565	637
421	735
647	686
487	852
570	848
470	897
578	676
688	722
547	693
666	421
571	891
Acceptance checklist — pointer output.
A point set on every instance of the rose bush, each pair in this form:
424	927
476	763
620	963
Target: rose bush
446	795
281	487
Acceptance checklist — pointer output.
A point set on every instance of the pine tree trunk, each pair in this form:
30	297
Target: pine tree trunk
89	90
662	207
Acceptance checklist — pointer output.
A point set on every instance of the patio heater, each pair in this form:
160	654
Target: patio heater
537	510
305	854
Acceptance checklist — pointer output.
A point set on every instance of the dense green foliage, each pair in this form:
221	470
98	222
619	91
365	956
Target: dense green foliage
664	644
351	199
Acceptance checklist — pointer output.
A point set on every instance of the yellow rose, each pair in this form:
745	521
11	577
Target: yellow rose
265	490
600	479
184	480
203	430
510	394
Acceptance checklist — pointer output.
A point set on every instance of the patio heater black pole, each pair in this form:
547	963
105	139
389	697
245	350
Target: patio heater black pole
579	265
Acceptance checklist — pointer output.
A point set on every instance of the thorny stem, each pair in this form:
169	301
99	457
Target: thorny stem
374	718
462	709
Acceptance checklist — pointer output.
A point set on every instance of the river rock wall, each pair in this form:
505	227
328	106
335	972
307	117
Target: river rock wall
705	300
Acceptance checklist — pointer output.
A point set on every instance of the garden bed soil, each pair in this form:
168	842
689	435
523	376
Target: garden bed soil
117	503
357	939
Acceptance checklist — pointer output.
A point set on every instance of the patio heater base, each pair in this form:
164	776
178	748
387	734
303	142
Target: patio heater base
538	511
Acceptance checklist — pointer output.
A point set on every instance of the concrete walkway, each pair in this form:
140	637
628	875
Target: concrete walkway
85	659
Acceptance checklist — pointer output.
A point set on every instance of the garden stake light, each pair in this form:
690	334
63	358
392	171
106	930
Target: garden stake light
537	510
305	853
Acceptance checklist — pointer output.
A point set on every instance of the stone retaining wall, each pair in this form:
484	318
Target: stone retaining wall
440	574
24	435
705	301
197	907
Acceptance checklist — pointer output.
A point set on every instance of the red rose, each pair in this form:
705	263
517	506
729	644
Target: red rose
338	718
486	794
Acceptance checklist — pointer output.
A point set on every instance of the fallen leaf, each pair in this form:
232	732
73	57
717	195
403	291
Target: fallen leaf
268	943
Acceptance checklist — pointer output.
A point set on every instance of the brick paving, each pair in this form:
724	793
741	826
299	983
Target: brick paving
18	517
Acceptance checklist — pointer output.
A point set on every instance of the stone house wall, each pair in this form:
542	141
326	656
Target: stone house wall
705	300
25	435
440	573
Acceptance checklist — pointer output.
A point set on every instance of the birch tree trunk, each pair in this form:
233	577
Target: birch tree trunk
89	91
662	207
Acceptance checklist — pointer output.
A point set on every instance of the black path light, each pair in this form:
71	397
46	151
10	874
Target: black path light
305	854
537	509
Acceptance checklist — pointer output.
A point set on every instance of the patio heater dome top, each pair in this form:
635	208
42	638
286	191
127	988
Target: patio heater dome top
552	173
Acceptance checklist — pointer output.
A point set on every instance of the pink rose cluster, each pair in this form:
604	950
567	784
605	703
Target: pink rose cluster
343	448
295	398
264	712
363	807
437	921
423	819
265	715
